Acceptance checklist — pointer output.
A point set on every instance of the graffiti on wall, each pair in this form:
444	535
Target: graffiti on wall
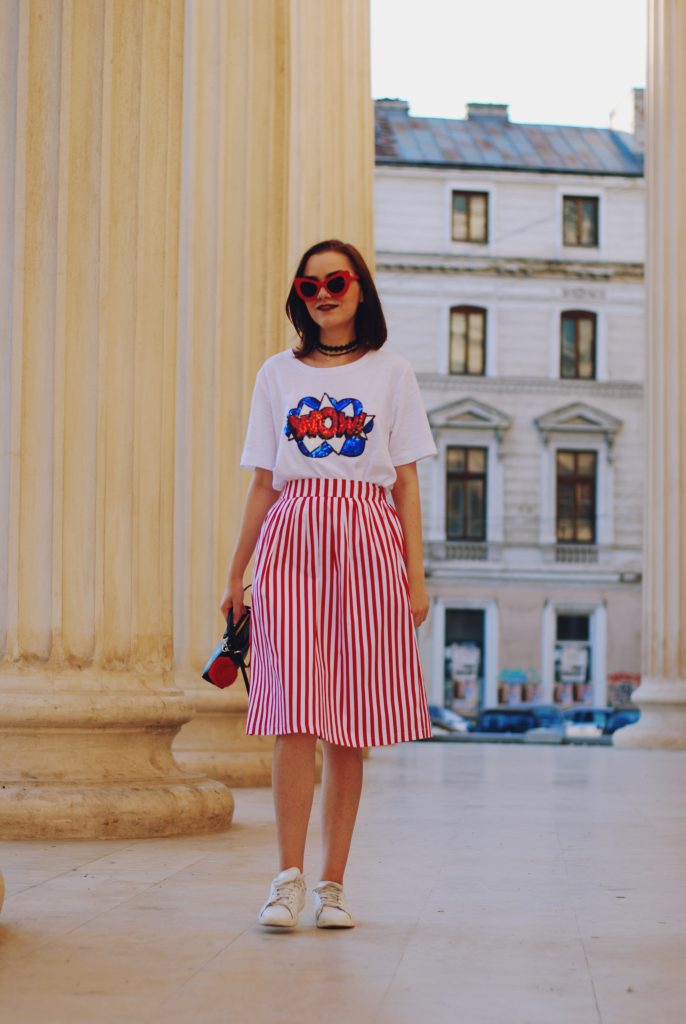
620	686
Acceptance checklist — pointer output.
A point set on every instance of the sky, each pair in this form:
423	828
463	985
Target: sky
552	61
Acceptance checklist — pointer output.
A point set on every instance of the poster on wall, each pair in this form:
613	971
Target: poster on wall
462	670
573	663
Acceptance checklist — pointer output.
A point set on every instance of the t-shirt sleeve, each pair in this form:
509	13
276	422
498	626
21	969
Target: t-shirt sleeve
261	437
411	438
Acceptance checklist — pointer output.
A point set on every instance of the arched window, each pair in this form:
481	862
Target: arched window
578	345
468	340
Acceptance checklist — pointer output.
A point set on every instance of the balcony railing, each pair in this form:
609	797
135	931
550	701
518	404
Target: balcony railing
461	550
585	554
624	559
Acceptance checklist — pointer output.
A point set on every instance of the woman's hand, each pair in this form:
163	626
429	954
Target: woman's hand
233	598
419	602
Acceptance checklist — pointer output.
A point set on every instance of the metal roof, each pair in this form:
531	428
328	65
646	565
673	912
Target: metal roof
495	142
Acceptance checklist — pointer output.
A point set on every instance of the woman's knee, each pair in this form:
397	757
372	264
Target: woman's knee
295	741
339	750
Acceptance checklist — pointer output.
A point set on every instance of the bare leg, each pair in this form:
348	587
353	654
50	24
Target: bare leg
293	791
341	789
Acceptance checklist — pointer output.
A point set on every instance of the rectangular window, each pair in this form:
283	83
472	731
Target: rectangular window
578	345
468	340
470	216
576	497
580	220
466	494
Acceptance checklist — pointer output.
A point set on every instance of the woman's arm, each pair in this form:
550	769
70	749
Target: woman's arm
405	493
259	499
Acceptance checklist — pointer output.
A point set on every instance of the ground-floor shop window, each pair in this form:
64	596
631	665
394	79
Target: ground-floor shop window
464	658
573	659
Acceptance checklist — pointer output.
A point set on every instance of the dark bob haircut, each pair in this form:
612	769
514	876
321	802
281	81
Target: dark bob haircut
370	324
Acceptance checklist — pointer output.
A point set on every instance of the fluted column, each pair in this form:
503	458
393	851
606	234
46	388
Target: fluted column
278	153
331	114
662	693
89	186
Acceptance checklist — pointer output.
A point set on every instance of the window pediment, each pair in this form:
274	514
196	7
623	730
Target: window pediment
578	418
471	415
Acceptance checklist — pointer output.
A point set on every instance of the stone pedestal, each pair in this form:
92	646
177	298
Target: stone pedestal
214	742
662	693
80	760
90	115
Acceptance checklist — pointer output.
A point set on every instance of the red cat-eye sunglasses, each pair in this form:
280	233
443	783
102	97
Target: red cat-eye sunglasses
336	284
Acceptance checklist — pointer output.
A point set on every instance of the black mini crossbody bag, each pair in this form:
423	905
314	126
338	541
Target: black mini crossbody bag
231	653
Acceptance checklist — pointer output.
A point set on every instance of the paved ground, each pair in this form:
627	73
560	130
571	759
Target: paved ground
492	885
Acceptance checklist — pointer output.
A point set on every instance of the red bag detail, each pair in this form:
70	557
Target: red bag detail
222	673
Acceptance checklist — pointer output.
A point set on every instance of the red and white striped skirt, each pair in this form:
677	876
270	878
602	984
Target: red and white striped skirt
334	651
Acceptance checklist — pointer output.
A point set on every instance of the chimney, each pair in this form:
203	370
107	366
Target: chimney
629	116
488	111
389	106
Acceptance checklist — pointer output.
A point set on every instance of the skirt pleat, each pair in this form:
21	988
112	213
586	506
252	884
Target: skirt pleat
334	651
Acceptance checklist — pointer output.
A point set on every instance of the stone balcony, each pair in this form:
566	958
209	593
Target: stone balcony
492	884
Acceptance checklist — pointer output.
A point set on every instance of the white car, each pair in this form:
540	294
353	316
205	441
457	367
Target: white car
582	723
444	720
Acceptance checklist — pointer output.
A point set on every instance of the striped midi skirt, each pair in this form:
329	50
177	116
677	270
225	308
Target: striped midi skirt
334	651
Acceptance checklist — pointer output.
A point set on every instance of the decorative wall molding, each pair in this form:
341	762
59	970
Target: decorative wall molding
588	270
601	389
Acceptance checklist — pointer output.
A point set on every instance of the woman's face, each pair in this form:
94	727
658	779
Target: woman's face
333	313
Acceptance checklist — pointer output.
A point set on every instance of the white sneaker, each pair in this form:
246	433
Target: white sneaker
286	900
330	908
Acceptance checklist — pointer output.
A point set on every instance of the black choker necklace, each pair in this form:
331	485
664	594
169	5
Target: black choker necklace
337	350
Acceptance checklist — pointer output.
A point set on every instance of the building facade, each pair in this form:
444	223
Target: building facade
510	264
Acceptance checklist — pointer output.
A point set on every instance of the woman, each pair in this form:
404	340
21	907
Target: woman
338	581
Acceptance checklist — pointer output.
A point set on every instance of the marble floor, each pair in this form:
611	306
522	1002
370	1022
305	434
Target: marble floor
492	884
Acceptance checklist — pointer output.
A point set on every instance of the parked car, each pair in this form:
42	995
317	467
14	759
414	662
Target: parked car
446	720
621	717
581	722
544	718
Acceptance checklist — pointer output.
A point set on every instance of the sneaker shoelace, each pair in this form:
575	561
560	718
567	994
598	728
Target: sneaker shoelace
285	893
332	896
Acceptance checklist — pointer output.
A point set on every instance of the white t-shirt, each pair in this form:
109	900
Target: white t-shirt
356	421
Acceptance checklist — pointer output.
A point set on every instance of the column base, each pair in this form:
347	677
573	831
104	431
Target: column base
135	811
87	755
662	725
214	743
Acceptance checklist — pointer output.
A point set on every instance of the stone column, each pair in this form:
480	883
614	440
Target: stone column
278	153
89	191
662	693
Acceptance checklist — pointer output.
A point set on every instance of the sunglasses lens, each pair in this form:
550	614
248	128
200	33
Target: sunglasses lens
308	289
336	285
